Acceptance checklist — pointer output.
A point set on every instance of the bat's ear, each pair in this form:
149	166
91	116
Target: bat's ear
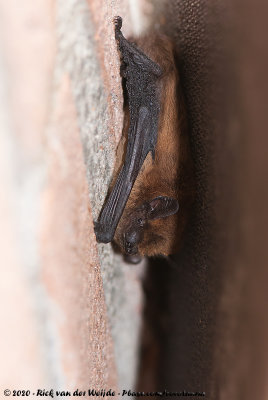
161	207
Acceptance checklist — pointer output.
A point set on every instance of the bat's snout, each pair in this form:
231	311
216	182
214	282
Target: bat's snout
131	240
130	248
131	251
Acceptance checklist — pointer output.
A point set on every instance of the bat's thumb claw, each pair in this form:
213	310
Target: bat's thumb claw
117	22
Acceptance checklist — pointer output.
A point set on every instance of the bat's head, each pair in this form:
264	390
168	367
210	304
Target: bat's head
130	232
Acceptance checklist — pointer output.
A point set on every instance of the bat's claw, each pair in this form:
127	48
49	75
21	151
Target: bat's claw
117	23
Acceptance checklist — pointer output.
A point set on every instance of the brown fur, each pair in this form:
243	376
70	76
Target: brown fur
171	173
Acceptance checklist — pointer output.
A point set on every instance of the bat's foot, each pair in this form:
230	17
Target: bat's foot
117	23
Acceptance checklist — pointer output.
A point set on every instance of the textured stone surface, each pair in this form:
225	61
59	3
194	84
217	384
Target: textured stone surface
92	62
77	303
69	258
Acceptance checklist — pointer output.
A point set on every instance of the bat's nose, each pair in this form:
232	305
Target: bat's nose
131	240
130	248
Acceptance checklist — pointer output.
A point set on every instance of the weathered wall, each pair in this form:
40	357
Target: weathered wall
76	303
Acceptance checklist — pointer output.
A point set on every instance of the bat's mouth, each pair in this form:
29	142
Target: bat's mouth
136	259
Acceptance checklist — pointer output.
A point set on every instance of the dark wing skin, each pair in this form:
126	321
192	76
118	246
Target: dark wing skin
142	84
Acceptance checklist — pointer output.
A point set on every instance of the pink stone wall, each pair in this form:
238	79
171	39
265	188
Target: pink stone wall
66	301
69	258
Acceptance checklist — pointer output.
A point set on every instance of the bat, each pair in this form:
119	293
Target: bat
146	211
